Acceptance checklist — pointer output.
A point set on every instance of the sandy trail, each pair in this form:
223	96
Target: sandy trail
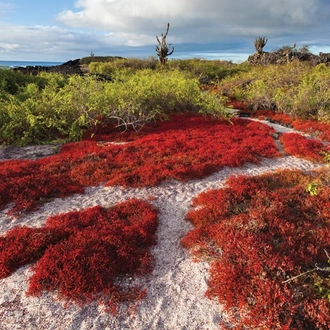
175	289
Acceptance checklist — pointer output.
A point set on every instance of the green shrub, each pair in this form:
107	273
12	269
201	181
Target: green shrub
132	64
296	89
11	80
206	69
211	69
311	96
65	107
147	94
58	110
90	59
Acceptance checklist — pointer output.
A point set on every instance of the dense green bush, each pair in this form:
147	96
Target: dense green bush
89	59
167	91
11	80
257	86
133	64
65	107
209	70
297	89
310	97
35	113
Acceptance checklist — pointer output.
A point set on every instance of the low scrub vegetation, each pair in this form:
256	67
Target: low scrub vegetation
55	107
297	89
209	70
85	255
91	59
11	81
132	92
116	64
267	241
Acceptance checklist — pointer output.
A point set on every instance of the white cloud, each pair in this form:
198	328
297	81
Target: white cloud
52	43
194	20
129	28
43	42
6	47
120	15
136	17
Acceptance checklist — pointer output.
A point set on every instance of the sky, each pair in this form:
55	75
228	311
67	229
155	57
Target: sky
62	30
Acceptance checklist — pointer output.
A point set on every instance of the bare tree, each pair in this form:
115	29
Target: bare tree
163	48
260	43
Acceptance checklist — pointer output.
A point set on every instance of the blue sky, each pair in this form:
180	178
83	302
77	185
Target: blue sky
61	30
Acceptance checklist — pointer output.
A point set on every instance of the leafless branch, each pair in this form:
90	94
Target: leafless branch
317	268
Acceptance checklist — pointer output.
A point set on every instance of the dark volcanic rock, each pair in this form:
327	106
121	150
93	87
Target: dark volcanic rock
282	56
70	67
29	152
324	57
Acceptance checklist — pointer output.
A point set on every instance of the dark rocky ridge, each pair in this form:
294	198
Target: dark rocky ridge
70	67
287	55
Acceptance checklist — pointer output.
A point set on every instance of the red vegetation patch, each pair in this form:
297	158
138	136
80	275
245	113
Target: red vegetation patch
23	245
282	118
311	127
84	254
186	147
259	234
235	104
320	130
297	145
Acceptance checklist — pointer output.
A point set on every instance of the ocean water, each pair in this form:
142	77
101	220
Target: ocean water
15	64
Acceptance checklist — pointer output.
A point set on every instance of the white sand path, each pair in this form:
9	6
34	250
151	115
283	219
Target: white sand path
175	290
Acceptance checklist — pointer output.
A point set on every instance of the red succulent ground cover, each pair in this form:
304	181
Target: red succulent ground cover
183	148
300	146
235	104
259	234
312	127
83	254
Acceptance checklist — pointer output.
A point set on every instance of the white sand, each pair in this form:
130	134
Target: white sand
175	289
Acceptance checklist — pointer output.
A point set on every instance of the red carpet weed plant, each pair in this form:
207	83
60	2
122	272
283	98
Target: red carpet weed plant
300	146
267	240
313	128
184	148
84	255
